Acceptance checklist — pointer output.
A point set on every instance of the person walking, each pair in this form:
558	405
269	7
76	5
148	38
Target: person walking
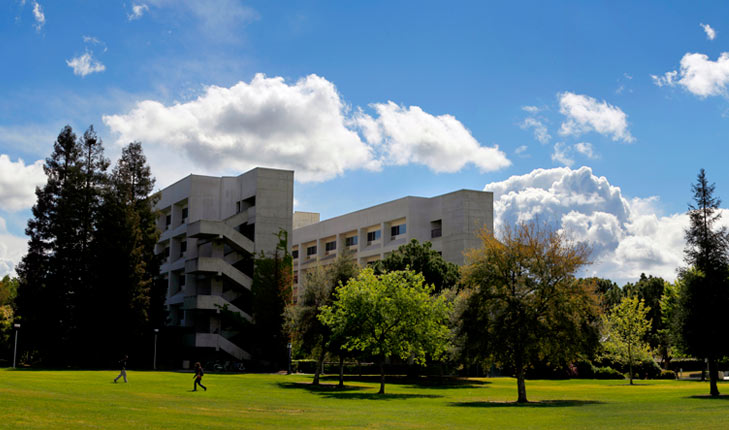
123	372
198	377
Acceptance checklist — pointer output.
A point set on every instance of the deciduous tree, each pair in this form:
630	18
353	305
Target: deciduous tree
392	314
626	328
525	305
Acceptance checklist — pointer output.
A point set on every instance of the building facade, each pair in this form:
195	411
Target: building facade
211	229
449	221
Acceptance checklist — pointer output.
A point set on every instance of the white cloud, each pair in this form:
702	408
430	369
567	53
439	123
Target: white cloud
85	64
561	154
411	135
12	249
18	182
699	75
585	149
540	130
137	11
39	16
521	149
219	19
710	32
531	109
585	114
668	79
304	126
94	41
628	237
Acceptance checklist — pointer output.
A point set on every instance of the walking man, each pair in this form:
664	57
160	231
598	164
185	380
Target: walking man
123	372
198	377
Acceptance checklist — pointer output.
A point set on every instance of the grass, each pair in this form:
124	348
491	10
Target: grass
163	400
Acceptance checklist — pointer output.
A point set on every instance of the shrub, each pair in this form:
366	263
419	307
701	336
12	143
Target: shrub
667	374
607	373
584	368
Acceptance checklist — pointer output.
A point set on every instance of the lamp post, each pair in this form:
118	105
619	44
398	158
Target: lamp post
15	350
154	362
288	347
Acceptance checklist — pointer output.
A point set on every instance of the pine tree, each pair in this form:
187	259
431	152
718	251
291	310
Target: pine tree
705	286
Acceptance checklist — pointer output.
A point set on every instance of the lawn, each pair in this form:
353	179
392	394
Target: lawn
164	400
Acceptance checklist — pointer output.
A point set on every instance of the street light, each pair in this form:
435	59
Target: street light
15	350
288	347
154	362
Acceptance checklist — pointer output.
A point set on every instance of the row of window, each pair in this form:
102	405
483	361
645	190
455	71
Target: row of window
372	236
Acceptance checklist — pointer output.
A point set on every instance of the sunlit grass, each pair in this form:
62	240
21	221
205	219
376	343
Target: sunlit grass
164	400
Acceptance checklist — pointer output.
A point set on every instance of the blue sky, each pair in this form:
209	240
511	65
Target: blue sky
619	103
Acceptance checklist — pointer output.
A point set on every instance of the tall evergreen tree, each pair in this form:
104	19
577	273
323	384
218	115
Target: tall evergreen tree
55	270
704	297
127	269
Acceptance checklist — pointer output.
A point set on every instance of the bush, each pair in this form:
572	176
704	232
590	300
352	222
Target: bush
647	369
667	374
607	373
584	369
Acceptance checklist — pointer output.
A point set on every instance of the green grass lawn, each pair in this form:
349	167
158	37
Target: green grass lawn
163	400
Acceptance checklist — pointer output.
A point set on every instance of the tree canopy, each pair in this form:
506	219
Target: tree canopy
524	304
422	258
388	315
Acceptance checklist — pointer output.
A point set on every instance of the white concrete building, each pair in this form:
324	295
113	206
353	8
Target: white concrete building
211	228
450	222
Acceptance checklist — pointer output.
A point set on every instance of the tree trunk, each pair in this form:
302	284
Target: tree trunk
319	366
341	372
521	386
382	375
630	364
713	377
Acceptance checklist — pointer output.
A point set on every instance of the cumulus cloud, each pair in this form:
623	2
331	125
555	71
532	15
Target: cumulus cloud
710	32
304	126
411	135
18	182
699	75
85	64
12	249
628	236
540	130
584	114
137	11
39	16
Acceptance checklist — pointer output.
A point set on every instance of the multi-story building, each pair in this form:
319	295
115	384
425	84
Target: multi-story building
450	222
211	229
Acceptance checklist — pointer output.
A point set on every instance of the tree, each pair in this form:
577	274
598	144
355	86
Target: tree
422	258
670	333
55	273
392	314
271	292
525	305
704	297
608	292
308	333
626	328
126	267
651	289
8	291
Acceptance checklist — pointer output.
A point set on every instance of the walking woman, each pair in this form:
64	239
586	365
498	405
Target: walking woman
198	377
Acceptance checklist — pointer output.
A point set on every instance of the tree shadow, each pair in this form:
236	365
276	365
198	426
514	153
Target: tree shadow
419	382
538	404
709	397
321	388
375	396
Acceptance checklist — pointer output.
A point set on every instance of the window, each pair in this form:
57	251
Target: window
295	253
182	279
237	207
183	247
310	251
436	228
330	246
168	221
373	235
166	252
184	215
351	241
296	276
396	230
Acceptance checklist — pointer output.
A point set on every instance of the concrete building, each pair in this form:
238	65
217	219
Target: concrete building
211	228
450	222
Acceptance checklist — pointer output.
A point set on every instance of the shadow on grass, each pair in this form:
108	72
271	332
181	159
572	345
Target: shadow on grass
539	404
321	388
419	382
709	397
353	392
